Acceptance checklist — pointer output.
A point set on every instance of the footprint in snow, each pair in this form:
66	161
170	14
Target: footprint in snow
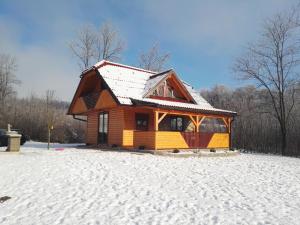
4	198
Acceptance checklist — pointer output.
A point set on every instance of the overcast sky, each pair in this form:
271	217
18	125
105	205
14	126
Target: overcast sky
203	36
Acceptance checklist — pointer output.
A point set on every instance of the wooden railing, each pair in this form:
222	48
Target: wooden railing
171	140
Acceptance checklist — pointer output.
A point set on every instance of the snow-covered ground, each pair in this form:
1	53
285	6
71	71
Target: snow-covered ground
81	186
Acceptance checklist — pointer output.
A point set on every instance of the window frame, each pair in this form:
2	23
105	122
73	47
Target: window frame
176	123
144	117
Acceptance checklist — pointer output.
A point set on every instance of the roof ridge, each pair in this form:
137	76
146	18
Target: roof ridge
106	62
161	73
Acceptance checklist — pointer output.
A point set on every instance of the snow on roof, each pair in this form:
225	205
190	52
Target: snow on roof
196	96
128	83
153	81
183	105
125	82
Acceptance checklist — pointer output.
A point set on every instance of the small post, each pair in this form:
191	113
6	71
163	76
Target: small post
8	128
49	135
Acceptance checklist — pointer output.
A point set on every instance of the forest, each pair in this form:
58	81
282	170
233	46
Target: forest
268	104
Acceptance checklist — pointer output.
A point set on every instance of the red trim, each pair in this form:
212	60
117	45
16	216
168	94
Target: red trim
123	66
168	99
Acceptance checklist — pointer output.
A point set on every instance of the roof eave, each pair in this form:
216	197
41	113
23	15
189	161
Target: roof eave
157	105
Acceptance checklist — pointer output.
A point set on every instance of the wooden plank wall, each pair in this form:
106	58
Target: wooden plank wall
144	138
129	125
92	128
115	126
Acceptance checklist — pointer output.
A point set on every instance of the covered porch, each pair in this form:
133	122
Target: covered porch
169	129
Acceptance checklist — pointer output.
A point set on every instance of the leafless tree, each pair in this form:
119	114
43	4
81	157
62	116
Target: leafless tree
153	59
272	62
8	78
84	46
50	113
91	45
108	44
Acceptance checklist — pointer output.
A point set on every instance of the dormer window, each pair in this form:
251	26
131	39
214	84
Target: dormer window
170	92
161	90
165	90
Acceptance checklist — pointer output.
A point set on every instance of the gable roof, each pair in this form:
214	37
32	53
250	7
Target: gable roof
160	77
130	85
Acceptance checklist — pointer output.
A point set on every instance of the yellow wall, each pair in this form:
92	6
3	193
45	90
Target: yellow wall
166	139
219	140
129	125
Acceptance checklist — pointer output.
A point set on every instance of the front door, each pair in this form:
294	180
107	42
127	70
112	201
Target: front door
103	128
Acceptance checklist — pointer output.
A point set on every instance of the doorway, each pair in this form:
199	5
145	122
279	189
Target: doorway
103	128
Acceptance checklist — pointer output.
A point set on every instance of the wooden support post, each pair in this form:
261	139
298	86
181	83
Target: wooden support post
193	120
199	121
156	120
197	124
229	131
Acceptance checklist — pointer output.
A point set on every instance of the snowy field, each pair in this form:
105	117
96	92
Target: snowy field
80	186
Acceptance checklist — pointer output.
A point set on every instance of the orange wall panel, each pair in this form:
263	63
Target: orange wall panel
92	128
105	100
144	138
79	106
129	124
115	126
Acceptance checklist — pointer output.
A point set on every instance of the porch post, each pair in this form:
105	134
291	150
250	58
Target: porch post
229	131
156	120
197	124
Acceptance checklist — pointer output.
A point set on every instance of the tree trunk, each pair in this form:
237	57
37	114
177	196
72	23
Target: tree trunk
49	137
283	142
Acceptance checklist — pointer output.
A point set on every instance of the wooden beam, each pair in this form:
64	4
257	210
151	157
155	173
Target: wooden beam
193	120
229	125
198	123
178	112
226	123
156	120
202	120
161	117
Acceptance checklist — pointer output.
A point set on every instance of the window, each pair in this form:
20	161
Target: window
161	90
141	121
170	92
213	125
177	123
165	89
103	128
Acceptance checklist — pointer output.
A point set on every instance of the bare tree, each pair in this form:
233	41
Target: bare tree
153	59
8	78
50	112
91	45
108	44
84	46
272	62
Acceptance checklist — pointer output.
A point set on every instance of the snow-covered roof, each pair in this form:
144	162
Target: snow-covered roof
130	83
182	105
154	80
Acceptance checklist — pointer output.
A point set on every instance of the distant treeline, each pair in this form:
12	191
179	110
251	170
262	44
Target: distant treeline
31	115
255	128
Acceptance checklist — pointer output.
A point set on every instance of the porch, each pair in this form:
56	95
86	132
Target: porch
166	129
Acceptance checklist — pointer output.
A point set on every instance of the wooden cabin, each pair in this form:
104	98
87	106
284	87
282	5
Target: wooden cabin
134	108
